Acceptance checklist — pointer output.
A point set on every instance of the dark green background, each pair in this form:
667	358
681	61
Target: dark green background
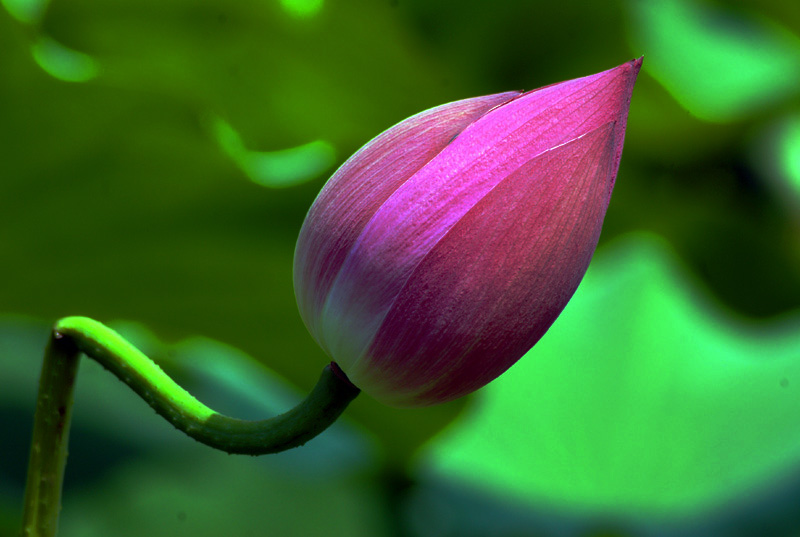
157	159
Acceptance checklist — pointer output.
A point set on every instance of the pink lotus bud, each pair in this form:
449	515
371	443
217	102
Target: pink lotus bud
444	249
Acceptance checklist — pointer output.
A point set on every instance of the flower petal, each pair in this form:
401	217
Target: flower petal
426	206
492	286
362	184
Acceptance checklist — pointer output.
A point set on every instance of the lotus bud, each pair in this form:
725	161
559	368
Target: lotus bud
444	249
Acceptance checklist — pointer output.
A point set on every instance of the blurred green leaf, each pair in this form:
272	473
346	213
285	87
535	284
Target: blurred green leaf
718	194
302	8
644	399
775	154
63	63
27	11
719	64
275	169
789	150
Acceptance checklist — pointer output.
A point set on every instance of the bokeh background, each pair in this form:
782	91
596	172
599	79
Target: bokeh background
157	158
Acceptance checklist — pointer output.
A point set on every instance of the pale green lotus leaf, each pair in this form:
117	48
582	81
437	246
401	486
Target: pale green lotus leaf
644	397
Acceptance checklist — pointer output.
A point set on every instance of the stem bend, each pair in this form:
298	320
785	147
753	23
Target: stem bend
73	335
313	415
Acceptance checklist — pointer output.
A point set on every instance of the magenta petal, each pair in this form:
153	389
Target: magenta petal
363	183
426	206
443	250
495	283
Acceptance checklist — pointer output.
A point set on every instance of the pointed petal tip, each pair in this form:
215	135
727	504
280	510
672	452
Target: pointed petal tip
631	66
636	64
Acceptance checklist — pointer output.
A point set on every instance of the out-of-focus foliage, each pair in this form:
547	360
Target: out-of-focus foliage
720	65
157	159
671	409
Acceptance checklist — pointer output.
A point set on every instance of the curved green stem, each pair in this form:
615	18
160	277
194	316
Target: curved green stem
73	335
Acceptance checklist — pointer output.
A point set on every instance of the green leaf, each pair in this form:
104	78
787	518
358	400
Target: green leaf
644	398
721	65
